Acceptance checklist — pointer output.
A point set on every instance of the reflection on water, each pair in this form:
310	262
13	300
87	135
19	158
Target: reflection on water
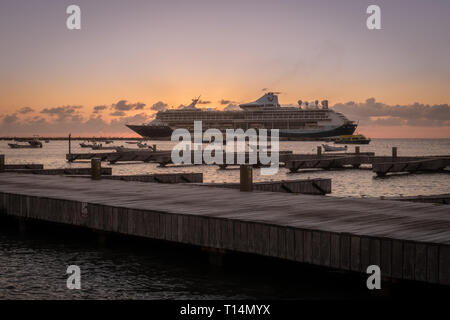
34	267
344	182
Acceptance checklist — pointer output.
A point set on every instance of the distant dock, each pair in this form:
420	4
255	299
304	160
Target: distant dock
407	240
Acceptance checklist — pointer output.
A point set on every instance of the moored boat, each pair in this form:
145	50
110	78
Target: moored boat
329	148
32	144
86	145
352	139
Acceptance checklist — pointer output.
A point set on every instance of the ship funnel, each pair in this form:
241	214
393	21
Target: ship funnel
300	102
325	104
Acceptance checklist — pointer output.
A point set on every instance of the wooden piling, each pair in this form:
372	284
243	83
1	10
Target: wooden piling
319	150
96	169
357	152
394	152
2	162
70	143
246	179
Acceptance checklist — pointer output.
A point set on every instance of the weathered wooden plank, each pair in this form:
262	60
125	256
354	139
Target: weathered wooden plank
252	241
290	243
281	242
308	246
345	252
397	259
299	245
335	250
325	244
386	257
133	220
218	232
228	234
365	253
433	263
420	270
355	249
122	217
273	238
203	227
375	252
180	228
409	256
264	239
244	236
316	247
444	263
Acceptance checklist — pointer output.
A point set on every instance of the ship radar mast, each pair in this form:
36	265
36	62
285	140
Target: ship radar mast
193	103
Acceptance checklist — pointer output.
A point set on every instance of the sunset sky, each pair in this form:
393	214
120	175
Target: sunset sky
133	57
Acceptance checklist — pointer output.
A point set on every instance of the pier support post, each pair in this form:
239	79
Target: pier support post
394	152
356	165
154	147
70	143
319	151
96	169
246	179
2	163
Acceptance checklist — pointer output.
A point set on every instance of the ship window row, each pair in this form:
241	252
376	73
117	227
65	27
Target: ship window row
247	125
234	114
262	117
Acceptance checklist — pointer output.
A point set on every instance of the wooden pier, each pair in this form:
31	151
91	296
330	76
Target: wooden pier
303	186
407	240
436	198
416	165
162	157
23	166
113	157
161	177
328	162
61	171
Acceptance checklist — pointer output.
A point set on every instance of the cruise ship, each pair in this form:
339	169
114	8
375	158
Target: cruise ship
302	122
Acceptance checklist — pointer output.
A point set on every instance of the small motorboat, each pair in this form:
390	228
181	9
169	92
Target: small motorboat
329	148
86	145
99	146
352	139
124	149
32	144
142	145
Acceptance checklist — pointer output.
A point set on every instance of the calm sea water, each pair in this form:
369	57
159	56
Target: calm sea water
33	266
